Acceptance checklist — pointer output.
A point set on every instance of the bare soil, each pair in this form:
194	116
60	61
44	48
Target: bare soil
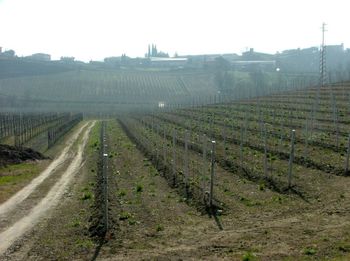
149	220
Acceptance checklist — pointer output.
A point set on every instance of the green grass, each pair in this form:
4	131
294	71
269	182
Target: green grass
248	256
139	188
21	166
87	195
124	215
15	177
309	251
94	139
18	173
84	243
159	227
121	193
249	202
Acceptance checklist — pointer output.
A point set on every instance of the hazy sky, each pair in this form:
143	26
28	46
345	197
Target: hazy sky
94	29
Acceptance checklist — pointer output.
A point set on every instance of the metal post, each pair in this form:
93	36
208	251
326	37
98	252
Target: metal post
157	152
265	151
164	147
212	172
241	147
186	162
224	141
337	130
291	158
20	130
204	164
281	137
174	157
347	157
306	138
105	174
212	125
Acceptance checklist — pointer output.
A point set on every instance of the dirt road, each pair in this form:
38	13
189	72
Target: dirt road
31	213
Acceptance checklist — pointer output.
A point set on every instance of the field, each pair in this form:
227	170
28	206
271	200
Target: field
273	186
35	130
253	137
119	91
105	90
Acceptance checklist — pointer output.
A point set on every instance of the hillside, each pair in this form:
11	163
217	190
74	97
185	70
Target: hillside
103	90
16	67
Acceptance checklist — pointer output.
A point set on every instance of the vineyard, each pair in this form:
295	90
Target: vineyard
106	91
282	142
19	129
95	91
264	178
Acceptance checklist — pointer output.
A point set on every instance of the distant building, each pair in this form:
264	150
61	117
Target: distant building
251	55
153	52
335	55
40	57
308	60
202	60
299	60
0	49
252	65
209	60
67	59
167	62
8	54
231	57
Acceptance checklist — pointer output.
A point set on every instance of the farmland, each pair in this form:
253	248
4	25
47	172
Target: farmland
253	138
273	185
37	130
115	91
106	90
187	130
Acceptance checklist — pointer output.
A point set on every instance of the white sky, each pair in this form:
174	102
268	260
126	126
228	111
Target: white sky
94	29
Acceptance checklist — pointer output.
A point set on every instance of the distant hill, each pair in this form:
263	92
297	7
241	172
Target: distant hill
18	67
99	90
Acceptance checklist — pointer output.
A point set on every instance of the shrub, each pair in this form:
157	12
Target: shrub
248	256
124	215
159	227
139	188
121	193
86	195
309	251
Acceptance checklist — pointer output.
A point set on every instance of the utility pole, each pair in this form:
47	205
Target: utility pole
323	78
323	73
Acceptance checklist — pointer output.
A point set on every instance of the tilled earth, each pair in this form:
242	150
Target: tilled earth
149	220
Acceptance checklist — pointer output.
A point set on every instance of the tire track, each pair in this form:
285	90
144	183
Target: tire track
21	195
16	230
